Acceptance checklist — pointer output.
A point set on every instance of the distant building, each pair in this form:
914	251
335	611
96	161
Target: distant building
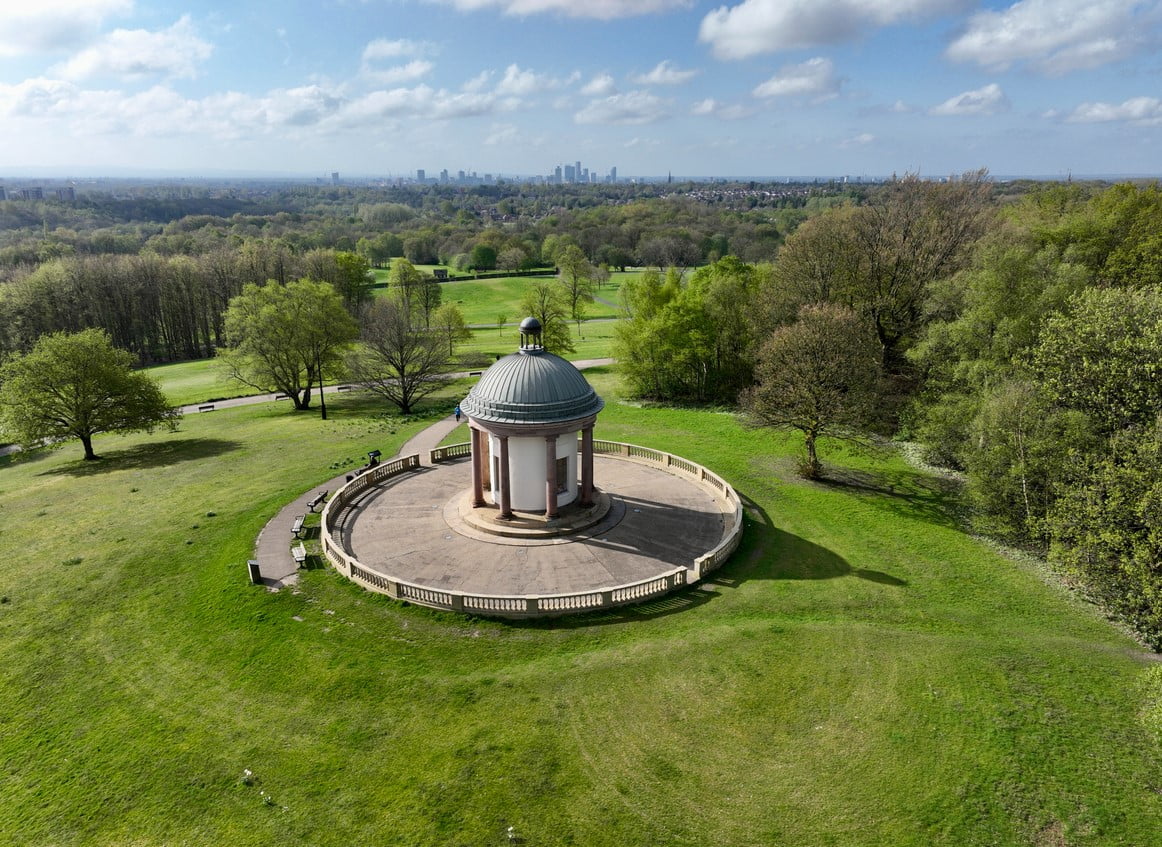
557	175
32	193
68	193
420	175
570	174
613	174
3	193
444	177
334	177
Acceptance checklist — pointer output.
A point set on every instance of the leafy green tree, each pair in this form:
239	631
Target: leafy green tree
406	280
546	302
692	342
399	358
483	257
819	375
511	259
449	321
1022	450
1103	356
1106	527
576	277
77	386
287	337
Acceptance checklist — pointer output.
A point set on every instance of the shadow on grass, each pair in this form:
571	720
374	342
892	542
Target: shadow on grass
151	455
766	552
773	553
908	494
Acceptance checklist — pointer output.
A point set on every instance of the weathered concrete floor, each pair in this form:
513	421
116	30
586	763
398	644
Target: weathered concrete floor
407	530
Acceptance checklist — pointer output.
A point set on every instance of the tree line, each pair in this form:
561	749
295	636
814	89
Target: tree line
1019	341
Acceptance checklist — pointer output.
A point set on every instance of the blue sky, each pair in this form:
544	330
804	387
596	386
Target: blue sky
752	87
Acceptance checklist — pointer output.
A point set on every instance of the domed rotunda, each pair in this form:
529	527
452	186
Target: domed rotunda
525	415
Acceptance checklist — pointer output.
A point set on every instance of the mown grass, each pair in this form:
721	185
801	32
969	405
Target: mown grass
481	301
197	381
862	672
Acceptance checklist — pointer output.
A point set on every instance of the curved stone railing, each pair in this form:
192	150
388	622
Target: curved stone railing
717	486
451	451
541	605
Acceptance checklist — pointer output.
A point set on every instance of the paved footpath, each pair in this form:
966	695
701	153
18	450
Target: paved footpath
272	549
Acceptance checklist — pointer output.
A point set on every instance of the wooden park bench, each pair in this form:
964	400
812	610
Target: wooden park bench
297	527
300	554
317	501
206	407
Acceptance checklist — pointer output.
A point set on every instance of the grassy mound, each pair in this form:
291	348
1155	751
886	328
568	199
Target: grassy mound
862	672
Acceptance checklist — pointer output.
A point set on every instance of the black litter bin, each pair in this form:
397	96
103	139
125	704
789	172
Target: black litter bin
255	573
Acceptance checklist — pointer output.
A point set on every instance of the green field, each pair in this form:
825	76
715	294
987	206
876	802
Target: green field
203	380
861	673
482	300
197	381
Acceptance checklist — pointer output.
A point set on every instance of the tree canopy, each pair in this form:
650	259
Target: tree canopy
818	375
287	337
76	386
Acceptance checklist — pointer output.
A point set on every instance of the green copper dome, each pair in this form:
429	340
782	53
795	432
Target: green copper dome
531	386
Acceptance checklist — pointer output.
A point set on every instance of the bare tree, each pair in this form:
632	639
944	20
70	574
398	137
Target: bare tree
400	359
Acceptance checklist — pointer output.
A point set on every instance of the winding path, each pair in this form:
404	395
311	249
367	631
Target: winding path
272	549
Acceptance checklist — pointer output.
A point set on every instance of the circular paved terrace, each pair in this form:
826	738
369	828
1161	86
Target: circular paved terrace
409	528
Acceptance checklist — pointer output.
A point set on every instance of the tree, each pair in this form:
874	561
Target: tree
819	375
545	301
77	386
449	321
483	257
287	337
576	277
881	257
406	281
511	259
1103	356
399	359
1107	527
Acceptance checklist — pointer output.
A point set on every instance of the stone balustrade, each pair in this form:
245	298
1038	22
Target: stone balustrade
545	604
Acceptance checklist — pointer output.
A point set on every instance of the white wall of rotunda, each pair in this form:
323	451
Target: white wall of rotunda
526	462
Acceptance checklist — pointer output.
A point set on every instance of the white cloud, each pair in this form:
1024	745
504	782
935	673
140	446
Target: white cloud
814	78
665	73
136	53
518	83
478	82
630	109
1142	111
601	85
982	101
1055	36
857	141
765	26
50	25
502	135
383	48
600	9
414	69
723	111
36	97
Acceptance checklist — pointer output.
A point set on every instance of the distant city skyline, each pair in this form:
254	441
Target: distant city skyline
750	87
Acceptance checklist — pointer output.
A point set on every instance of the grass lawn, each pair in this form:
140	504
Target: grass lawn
861	673
197	381
482	300
595	341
